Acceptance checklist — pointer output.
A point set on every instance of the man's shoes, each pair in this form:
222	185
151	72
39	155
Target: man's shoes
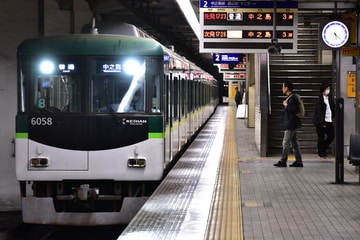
296	164
323	156
280	164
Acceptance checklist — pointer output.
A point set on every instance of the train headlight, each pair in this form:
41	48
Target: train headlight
137	162
39	162
132	66
47	67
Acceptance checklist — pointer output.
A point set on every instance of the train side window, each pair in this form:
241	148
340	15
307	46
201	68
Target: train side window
167	100
183	97
191	100
198	95
202	94
176	97
195	93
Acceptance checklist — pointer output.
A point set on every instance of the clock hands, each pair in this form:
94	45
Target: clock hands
336	36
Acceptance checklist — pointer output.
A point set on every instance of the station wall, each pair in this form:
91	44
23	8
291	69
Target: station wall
19	21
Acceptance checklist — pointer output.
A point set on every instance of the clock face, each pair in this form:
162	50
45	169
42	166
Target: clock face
335	34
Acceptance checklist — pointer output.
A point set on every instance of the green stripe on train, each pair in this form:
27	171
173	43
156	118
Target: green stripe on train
156	135
22	135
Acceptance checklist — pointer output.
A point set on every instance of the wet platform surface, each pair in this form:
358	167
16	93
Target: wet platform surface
277	203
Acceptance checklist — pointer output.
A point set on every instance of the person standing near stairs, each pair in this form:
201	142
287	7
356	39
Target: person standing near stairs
323	120
291	123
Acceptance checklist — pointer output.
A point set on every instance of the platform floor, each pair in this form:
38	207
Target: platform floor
275	203
295	203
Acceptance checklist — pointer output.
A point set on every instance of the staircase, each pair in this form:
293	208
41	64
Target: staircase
307	75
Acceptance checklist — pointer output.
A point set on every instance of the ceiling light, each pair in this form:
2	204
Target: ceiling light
190	16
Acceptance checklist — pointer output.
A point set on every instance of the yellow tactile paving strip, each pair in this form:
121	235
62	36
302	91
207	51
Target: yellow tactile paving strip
225	221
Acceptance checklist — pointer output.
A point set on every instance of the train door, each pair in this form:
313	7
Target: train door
182	112
168	118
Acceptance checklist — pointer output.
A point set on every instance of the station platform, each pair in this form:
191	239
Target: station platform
222	189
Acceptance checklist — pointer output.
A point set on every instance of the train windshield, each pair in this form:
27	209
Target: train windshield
102	84
118	85
57	86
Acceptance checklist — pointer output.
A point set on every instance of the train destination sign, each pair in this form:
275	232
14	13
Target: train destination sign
247	19
238	68
219	58
234	76
247	34
247	4
247	26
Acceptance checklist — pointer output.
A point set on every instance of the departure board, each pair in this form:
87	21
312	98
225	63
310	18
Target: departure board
234	76
247	26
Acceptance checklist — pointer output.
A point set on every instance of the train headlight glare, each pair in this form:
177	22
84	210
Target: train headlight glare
47	67
137	162
39	162
131	66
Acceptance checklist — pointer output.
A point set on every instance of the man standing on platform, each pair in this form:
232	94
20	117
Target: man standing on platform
237	97
291	123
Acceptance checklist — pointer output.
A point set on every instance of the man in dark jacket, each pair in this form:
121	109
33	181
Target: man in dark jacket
238	96
290	125
323	120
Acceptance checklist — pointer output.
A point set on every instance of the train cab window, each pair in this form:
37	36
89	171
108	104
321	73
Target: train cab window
118	85
56	86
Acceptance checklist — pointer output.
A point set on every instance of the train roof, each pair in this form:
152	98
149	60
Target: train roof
86	44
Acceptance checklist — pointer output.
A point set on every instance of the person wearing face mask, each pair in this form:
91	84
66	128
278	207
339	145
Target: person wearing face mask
323	120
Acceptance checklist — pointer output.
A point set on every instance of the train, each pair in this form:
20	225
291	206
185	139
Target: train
101	118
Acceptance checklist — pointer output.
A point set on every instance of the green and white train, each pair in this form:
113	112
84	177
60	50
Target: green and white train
100	120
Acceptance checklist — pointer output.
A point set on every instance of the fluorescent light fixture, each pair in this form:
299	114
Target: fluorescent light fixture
190	16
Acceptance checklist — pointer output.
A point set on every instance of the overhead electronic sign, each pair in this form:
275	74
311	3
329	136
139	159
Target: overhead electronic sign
111	68
219	58
238	76
224	68
247	26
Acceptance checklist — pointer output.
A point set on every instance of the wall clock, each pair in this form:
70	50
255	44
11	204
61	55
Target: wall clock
335	34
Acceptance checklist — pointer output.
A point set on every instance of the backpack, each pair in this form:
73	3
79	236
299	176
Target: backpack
301	112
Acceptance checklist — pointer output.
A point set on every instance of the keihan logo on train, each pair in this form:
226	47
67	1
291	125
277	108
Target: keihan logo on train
134	122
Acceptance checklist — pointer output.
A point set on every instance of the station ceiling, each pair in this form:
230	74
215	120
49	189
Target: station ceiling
164	20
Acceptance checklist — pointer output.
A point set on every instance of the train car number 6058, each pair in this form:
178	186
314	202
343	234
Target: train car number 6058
41	121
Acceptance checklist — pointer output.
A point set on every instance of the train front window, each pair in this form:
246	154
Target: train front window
56	86
118	85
